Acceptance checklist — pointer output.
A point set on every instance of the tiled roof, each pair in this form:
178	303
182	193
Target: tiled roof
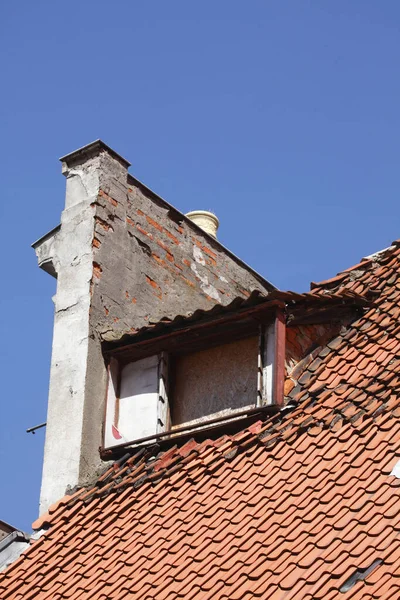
313	299
360	366
301	505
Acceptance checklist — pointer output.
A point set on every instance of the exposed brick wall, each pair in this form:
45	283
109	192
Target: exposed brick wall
149	263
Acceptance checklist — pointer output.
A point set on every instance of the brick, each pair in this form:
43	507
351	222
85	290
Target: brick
97	270
172	237
188	282
209	252
151	282
197	242
144	232
103	224
162	245
155	287
159	260
108	198
154	223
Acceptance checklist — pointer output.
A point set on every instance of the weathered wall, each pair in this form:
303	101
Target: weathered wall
10	552
149	263
5	530
71	256
123	258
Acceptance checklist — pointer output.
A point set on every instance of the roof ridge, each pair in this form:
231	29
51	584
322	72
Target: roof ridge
365	263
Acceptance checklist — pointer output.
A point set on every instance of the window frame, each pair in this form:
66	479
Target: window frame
268	325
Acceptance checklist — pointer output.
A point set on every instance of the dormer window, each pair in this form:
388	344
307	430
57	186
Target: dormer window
199	375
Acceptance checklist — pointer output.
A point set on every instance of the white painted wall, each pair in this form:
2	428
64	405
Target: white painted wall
73	264
77	373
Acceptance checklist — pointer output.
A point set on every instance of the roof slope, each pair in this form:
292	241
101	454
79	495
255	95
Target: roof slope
302	505
359	366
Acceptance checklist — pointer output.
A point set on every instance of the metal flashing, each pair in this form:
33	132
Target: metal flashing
12	537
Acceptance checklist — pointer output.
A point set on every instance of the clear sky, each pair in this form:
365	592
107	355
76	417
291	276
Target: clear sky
281	116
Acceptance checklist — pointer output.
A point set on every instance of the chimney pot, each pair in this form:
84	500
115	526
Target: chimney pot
206	220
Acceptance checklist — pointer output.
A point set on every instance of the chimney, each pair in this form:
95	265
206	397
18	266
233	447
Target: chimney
123	257
206	220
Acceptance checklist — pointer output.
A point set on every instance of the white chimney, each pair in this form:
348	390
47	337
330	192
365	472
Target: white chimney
206	220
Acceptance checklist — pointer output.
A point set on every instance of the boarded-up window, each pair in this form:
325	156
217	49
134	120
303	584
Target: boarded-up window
215	382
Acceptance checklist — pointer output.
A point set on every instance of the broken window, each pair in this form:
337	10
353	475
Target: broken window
137	406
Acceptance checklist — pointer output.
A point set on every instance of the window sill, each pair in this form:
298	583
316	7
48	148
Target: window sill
218	426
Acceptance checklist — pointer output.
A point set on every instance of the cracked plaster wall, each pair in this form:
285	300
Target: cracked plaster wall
72	260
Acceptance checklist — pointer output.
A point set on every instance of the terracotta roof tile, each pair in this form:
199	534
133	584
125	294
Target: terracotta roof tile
291	507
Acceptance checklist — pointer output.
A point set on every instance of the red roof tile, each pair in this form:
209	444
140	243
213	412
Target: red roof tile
300	505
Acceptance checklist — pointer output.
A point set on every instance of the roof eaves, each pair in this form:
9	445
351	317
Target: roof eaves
240	305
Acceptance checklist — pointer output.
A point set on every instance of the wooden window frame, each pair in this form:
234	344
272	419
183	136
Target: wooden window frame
270	370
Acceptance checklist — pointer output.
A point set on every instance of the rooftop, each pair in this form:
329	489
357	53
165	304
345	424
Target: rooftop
302	504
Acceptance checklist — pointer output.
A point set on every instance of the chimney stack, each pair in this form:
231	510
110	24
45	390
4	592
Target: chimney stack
206	220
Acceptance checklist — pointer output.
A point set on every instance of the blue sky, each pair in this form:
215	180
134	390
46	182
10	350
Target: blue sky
282	117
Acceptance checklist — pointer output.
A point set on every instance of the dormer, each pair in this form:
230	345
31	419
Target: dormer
217	366
195	372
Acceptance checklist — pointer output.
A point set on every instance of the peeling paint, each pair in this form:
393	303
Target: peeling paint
205	285
198	255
